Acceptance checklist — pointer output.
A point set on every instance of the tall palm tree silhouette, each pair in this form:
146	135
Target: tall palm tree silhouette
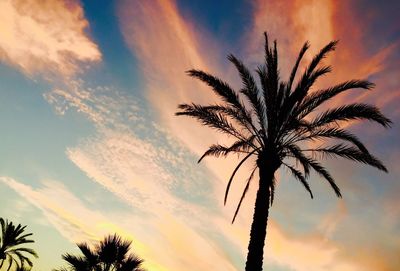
12	245
274	125
111	254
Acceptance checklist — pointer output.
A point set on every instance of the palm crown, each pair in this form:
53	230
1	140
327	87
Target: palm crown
274	123
12	241
111	254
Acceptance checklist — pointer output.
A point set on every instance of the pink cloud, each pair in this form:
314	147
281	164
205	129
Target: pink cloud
45	36
167	47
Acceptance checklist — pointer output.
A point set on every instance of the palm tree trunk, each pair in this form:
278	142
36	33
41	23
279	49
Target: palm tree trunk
258	231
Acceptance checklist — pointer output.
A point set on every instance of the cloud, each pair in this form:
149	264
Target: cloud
329	224
320	22
302	21
166	48
45	36
94	102
129	155
51	199
125	165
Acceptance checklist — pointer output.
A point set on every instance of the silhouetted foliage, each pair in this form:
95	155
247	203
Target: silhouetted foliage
111	254
272	122
23	268
12	247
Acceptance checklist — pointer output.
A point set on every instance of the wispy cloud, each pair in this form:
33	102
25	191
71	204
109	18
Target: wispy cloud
96	103
45	36
320	22
51	199
166	48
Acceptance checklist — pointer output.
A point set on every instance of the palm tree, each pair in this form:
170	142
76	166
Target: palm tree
12	241
275	124
111	254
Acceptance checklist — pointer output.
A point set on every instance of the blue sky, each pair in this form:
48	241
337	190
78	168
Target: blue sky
90	144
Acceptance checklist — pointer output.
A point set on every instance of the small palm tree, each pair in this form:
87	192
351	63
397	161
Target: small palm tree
111	254
274	126
12	242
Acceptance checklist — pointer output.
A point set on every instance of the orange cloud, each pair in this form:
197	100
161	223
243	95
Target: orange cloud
166	48
45	36
291	23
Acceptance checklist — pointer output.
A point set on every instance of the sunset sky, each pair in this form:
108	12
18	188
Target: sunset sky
89	143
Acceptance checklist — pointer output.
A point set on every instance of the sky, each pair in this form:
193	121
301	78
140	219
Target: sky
90	145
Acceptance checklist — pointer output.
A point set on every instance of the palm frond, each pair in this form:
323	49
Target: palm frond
335	133
209	118
27	250
331	46
132	263
74	261
281	95
263	77
317	167
241	146
222	89
272	191
22	258
228	186
351	153
296	152
302	88
304	83
250	90
246	188
300	177
319	97
240	117
351	112
295	67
